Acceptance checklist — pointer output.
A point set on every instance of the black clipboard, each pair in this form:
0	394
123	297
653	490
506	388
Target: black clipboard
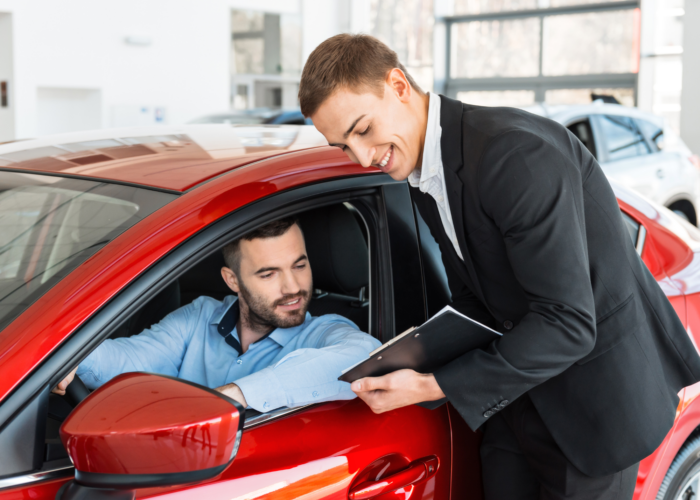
443	338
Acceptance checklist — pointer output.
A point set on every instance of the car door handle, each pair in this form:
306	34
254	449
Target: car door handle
418	471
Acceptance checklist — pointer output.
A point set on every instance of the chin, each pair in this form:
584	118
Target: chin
291	320
399	173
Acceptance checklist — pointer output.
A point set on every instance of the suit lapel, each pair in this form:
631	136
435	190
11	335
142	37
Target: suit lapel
451	148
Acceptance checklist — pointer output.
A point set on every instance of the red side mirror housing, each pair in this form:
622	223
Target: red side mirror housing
143	430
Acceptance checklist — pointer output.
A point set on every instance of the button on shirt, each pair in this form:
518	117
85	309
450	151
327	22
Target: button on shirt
430	178
199	342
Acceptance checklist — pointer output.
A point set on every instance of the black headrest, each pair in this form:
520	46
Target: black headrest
337	249
205	277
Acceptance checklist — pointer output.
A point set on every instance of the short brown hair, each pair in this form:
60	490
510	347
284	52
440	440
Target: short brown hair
232	251
357	62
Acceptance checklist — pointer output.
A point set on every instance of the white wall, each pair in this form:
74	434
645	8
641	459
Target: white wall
182	71
67	110
321	19
690	95
79	45
7	116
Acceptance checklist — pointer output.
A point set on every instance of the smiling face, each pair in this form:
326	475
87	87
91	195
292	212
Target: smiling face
274	282
384	132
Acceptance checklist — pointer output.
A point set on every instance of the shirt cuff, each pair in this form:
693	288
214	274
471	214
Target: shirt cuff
262	391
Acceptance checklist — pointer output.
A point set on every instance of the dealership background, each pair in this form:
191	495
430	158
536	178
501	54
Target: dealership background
77	64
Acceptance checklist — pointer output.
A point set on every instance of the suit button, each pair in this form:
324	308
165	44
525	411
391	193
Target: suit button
488	413
502	404
508	324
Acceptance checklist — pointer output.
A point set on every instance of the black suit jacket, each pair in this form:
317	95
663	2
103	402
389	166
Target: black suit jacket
587	332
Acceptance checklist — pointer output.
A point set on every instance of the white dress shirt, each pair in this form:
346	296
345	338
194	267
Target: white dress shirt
430	177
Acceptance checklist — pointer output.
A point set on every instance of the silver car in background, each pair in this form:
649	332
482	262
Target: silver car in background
636	149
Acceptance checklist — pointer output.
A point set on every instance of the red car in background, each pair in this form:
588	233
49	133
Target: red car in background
104	233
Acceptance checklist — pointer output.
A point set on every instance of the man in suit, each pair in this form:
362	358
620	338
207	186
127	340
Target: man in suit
583	383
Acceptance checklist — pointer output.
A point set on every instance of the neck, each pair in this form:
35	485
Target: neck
420	103
250	327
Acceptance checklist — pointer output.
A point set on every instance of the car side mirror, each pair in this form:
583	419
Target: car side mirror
142	430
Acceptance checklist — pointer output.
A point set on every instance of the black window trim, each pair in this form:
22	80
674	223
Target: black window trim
92	179
651	141
145	286
641	233
597	150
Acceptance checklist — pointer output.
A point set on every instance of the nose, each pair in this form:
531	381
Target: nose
364	155
290	285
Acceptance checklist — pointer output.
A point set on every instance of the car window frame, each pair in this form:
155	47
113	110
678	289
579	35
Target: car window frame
359	190
641	232
650	141
597	150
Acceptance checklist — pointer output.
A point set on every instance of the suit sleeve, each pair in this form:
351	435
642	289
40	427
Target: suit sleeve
533	193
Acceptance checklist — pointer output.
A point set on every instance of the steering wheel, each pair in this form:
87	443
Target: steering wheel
76	391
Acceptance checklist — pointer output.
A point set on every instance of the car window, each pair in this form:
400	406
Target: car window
238	119
337	241
50	225
582	130
622	138
654	133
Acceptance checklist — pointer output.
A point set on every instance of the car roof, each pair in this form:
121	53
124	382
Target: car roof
262	115
173	158
562	113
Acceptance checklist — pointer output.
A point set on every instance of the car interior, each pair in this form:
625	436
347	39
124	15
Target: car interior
338	249
582	130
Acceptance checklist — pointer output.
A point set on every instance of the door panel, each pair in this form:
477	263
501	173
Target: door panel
318	452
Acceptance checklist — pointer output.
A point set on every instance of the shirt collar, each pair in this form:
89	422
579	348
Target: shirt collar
227	319
432	155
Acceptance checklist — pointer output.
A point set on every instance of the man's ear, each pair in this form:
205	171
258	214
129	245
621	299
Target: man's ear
397	81
230	278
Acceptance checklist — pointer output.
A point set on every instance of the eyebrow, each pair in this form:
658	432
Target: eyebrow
347	133
268	269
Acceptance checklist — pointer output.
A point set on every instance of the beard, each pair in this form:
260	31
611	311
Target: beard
262	315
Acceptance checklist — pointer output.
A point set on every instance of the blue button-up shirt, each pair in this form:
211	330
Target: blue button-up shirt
199	342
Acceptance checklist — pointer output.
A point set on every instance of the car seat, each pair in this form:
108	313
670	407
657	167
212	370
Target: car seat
337	250
339	260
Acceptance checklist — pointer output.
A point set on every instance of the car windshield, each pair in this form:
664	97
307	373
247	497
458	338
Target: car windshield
237	119
50	225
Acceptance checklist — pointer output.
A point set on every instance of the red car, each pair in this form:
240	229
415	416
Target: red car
103	234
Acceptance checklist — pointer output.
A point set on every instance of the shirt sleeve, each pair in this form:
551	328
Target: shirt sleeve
310	374
159	349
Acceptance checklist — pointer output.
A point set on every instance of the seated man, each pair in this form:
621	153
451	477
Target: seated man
261	348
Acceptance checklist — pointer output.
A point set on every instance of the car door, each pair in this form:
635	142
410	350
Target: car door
673	165
466	460
333	449
320	451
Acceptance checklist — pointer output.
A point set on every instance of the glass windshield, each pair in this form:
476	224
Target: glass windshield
50	225
238	119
